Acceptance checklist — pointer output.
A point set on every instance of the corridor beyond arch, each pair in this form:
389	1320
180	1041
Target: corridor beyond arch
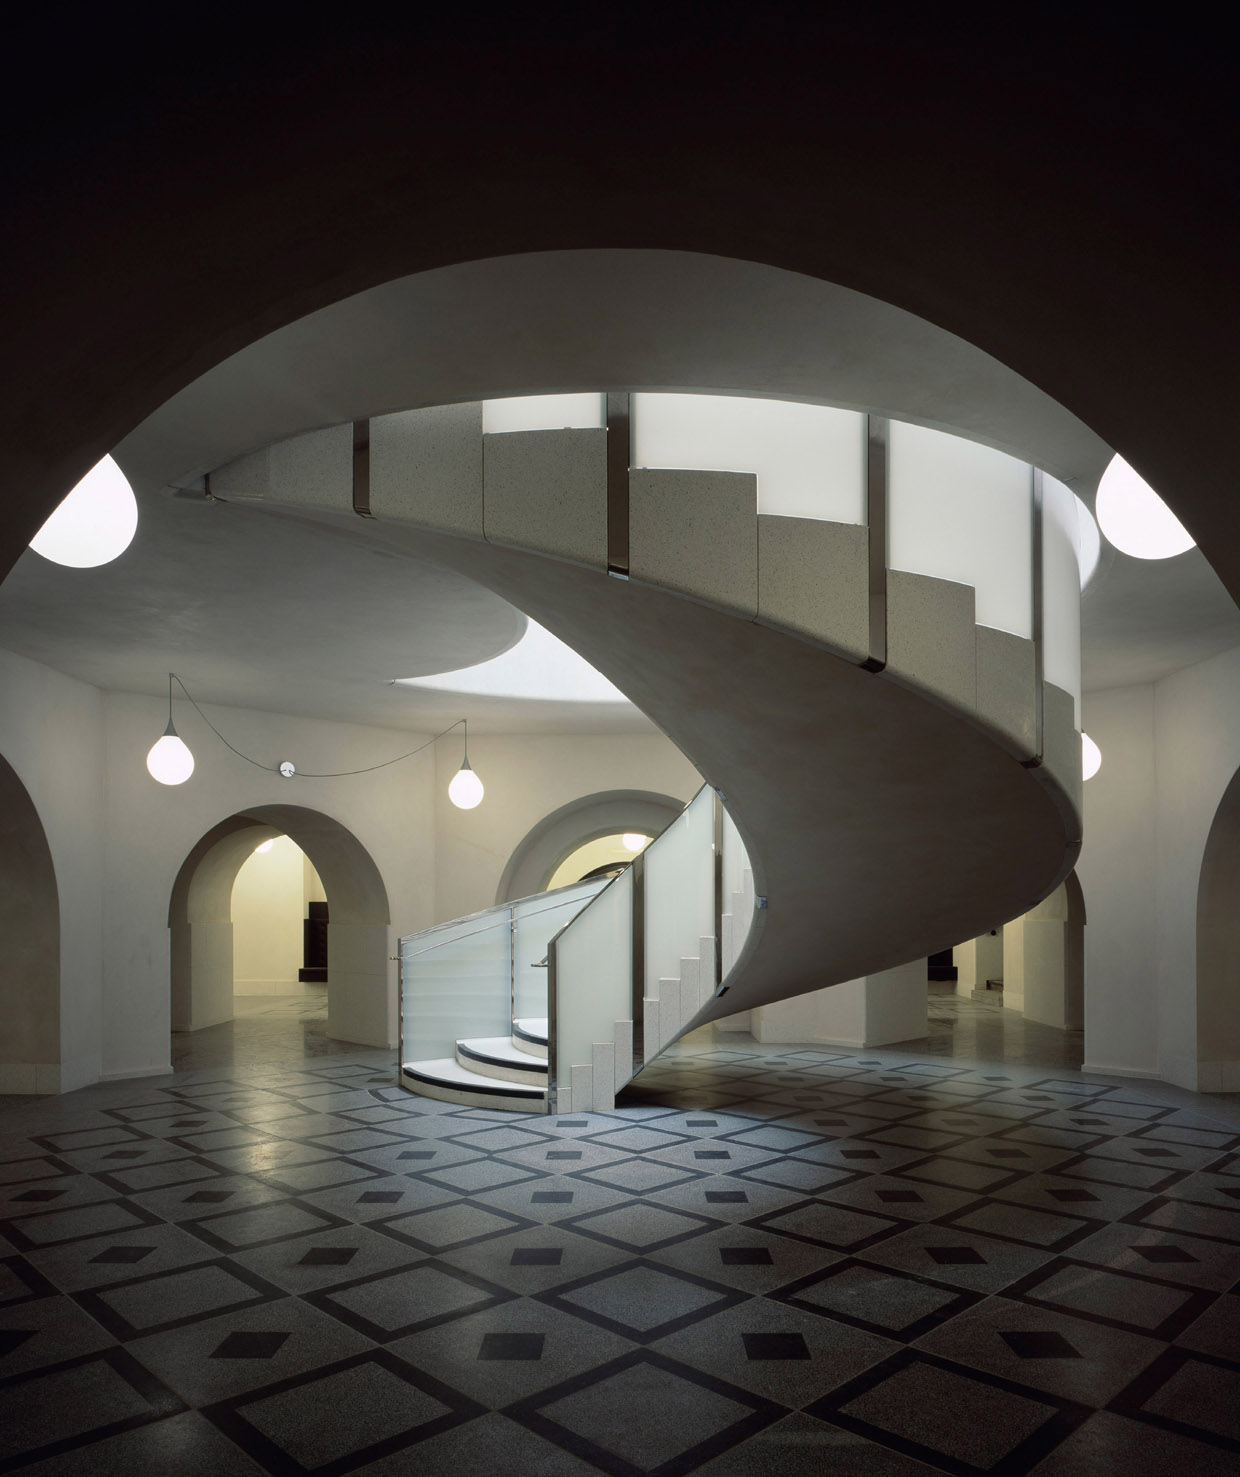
30	934
361	993
1218	949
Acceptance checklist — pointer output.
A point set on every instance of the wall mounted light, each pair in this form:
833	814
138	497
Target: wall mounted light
1091	757
1135	518
466	790
95	522
169	759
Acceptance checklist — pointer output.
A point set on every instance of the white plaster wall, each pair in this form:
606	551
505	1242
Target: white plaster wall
51	734
1118	876
268	906
151	829
1197	734
527	777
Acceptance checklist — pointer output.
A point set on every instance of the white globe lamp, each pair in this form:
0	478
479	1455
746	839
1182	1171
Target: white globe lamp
169	759
466	790
1091	757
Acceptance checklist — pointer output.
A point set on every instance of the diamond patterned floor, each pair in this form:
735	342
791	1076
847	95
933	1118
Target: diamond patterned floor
765	1259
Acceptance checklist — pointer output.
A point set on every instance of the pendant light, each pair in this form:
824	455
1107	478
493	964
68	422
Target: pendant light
169	760
466	790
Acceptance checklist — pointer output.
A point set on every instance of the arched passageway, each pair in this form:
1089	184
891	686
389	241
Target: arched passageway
30	939
546	845
1218	949
361	1004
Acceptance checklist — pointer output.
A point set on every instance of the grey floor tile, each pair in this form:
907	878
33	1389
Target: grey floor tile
746	1257
202	1366
950	1254
490	1443
815	1356
1069	1357
566	1345
800	1446
1114	1443
187	1445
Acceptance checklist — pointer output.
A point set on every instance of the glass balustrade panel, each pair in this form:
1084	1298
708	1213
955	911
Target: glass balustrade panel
737	891
543	413
963	512
594	978
456	984
537	920
809	459
680	891
1061	590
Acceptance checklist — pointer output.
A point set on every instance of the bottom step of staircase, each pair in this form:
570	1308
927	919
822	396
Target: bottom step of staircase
450	1082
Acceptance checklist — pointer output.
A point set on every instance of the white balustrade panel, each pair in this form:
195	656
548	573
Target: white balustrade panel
538	919
594	979
680	891
456	982
1061	590
809	459
735	866
543	413
963	512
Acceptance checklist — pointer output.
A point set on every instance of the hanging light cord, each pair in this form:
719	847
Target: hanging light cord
333	774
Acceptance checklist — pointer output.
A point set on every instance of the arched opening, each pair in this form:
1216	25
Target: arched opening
30	937
549	845
1043	959
361	995
1218	949
280	920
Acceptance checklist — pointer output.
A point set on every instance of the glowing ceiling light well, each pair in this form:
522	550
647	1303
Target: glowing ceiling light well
1135	518
264	846
539	667
94	524
1091	757
634	841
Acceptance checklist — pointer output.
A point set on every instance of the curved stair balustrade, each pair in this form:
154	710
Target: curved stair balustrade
889	704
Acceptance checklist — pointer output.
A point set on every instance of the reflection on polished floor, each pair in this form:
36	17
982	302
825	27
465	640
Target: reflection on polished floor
787	1259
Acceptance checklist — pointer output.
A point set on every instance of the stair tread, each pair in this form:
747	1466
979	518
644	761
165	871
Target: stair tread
450	1072
501	1049
533	1028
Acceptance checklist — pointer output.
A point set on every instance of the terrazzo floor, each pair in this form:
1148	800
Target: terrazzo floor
786	1260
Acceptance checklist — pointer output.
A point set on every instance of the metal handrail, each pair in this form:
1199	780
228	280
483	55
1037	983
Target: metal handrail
500	914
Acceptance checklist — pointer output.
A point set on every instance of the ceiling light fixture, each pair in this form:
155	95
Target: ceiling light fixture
1135	518
171	763
95	522
466	789
1091	757
169	759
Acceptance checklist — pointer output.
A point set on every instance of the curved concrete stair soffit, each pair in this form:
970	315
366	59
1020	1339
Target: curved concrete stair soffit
897	773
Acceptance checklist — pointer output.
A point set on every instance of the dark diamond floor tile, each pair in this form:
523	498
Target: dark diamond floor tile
775	1346
328	1256
745	1256
1040	1346
249	1346
125	1256
511	1346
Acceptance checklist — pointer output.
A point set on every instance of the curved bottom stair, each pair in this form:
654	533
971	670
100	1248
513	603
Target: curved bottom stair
489	1071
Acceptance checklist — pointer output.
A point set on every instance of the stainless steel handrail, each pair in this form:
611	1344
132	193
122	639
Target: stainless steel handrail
501	914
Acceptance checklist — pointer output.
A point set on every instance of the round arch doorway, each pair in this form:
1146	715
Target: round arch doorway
361	991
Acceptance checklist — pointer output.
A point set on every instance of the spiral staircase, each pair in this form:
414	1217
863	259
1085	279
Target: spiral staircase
869	649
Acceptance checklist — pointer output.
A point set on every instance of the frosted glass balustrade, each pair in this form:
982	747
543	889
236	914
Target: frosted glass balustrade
963	512
594	979
536	922
809	459
736	886
455	982
680	891
543	413
1061	590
